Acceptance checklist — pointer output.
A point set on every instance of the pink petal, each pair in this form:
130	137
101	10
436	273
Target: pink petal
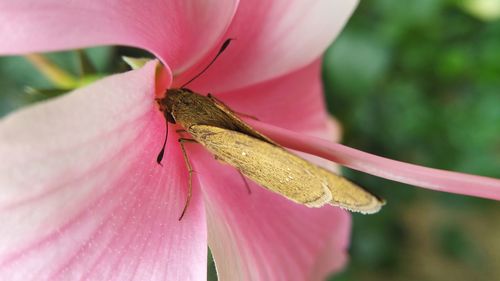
274	38
178	32
263	236
82	196
294	101
386	168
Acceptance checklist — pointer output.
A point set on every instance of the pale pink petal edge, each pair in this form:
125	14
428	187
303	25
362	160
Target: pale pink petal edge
82	197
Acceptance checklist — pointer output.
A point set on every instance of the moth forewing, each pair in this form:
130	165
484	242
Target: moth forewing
284	172
268	165
350	196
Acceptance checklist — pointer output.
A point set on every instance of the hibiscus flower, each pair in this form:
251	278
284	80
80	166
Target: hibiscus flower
81	194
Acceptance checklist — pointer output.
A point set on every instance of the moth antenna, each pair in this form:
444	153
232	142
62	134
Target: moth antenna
222	48
162	151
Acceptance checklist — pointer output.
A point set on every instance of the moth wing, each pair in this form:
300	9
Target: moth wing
244	127
347	195
284	172
268	165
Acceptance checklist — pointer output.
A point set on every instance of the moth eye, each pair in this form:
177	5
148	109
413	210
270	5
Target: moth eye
170	118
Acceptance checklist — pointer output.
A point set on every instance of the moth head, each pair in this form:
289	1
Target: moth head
166	104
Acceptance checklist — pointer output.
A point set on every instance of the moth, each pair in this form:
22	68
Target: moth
222	132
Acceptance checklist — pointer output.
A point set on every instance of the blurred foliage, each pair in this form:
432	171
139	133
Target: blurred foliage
419	81
414	80
23	84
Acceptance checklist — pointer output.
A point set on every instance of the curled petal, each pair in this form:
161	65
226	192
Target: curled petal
82	197
274	38
386	168
178	32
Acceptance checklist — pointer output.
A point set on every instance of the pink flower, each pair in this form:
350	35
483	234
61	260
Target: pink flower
81	196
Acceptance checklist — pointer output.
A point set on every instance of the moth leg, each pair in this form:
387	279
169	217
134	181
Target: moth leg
245	181
181	132
223	106
241	174
190	171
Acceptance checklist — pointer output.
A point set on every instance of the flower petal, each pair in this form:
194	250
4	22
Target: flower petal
263	236
274	38
294	101
178	32
82	196
386	168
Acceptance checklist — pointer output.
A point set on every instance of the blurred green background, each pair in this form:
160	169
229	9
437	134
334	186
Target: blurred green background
419	81
415	80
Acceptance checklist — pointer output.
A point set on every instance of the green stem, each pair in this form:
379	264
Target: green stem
56	75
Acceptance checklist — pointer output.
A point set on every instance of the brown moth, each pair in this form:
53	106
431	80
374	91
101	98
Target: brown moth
219	129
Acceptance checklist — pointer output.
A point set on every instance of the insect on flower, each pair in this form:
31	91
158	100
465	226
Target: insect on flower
219	129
